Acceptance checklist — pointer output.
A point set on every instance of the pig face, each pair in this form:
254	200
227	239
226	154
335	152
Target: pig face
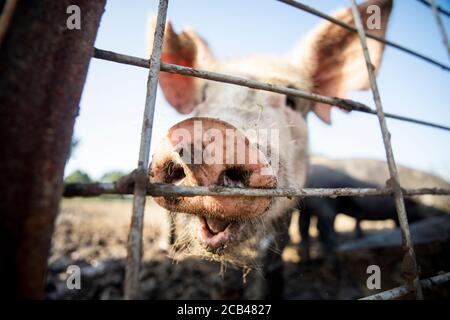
328	62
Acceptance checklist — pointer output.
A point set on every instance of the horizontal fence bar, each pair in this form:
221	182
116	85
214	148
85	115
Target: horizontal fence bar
347	26
346	104
160	189
440	9
402	291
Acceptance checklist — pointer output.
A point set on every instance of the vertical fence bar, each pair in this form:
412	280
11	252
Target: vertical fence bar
441	26
134	245
409	263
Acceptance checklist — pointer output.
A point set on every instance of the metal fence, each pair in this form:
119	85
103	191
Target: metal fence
142	188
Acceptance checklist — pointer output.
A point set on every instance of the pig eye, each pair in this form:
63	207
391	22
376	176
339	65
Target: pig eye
290	102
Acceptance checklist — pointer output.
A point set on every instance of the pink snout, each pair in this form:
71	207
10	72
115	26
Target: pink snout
210	152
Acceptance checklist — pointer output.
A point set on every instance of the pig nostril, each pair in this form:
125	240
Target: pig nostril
234	177
174	173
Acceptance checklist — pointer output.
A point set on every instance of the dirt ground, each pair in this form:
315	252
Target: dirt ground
92	233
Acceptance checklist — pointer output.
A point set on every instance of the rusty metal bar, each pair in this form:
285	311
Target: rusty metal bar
440	9
399	292
346	104
97	189
43	68
409	263
134	245
441	26
347	26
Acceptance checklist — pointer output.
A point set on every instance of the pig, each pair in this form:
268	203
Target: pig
360	208
234	230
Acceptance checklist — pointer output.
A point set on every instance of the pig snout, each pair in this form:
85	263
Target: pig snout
213	153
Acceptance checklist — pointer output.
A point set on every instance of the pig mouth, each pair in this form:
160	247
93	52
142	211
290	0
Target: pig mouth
216	233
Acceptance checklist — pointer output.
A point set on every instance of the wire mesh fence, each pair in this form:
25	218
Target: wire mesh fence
141	188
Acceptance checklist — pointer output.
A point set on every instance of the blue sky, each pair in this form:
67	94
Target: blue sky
112	104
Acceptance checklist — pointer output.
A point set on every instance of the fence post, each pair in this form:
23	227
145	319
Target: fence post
43	68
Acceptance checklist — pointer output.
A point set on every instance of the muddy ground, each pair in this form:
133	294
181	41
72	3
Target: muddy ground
92	233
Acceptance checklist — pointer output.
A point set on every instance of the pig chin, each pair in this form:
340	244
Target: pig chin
234	242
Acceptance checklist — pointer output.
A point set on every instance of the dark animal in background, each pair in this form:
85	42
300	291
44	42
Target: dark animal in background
360	208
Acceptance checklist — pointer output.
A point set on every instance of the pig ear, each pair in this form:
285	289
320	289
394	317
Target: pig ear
334	57
185	49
